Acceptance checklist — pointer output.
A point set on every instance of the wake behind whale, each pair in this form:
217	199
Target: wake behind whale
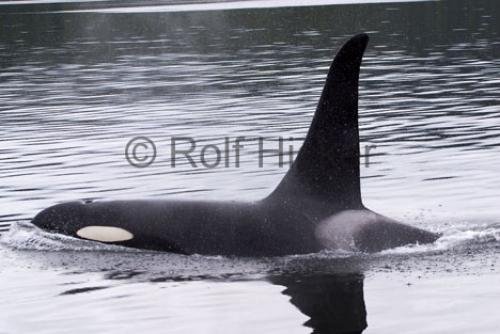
316	206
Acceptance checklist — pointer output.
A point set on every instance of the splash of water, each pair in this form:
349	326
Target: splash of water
26	236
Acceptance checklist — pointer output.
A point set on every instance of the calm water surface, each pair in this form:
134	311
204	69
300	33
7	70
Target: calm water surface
80	79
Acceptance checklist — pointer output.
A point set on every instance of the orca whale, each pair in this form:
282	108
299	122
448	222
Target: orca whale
316	206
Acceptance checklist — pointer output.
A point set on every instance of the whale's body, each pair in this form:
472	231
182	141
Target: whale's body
316	206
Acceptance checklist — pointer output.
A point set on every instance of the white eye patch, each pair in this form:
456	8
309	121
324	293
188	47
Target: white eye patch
104	233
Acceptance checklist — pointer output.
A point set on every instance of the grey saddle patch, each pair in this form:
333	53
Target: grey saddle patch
367	231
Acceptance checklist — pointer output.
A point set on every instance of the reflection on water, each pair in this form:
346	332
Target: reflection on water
334	303
75	87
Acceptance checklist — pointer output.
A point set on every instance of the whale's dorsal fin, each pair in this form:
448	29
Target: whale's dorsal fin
326	168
